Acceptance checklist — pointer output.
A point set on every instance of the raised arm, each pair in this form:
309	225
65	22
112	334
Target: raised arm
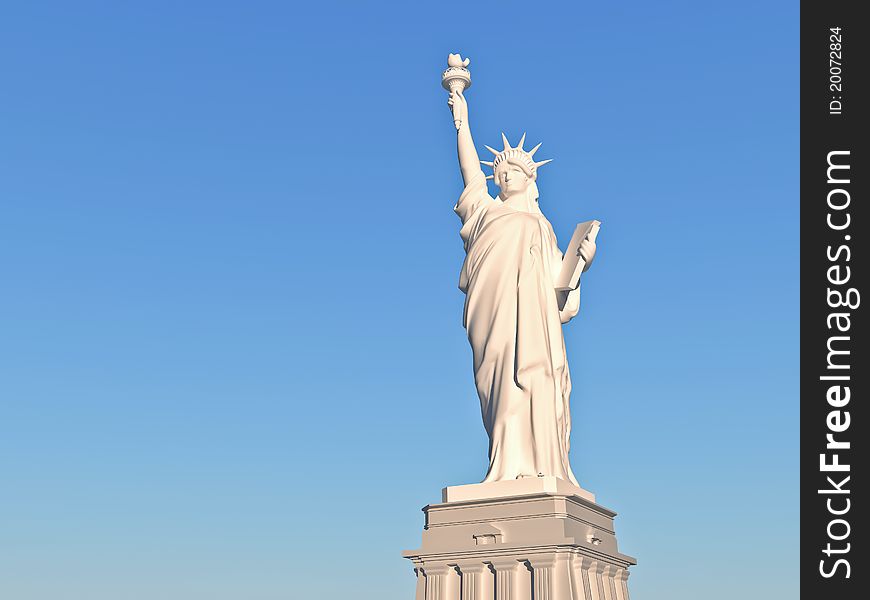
469	161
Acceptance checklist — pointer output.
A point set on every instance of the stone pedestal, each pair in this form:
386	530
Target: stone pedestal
547	540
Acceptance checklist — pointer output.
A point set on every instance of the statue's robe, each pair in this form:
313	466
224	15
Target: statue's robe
514	325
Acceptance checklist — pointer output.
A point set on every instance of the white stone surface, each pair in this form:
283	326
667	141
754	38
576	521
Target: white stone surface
514	487
545	546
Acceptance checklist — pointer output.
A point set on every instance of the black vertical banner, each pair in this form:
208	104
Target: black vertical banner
835	368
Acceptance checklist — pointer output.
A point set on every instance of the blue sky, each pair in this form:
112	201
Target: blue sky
231	356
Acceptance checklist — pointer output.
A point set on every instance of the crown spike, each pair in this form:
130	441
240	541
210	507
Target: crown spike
494	151
535	149
522	141
507	145
543	162
486	162
490	177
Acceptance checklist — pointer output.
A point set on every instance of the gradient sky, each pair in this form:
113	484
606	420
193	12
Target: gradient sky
232	364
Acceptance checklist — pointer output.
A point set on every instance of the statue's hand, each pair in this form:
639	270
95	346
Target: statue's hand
457	100
587	251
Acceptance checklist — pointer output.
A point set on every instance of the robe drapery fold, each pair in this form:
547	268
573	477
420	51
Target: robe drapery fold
514	326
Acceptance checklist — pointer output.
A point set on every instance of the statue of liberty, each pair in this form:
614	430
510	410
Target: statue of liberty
509	537
513	313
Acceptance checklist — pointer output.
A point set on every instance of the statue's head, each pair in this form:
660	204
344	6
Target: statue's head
513	177
514	169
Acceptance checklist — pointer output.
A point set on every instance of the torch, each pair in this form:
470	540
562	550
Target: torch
456	79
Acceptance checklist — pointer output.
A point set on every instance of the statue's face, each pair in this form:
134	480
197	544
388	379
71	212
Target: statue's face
511	179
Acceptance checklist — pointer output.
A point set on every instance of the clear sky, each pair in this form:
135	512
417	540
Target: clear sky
232	364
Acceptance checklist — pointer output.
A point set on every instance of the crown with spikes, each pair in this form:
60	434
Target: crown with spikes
517	154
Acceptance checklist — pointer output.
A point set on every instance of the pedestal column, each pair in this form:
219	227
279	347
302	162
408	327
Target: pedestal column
543	578
472	575
607	580
621	579
581	585
421	583
505	578
436	584
596	580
